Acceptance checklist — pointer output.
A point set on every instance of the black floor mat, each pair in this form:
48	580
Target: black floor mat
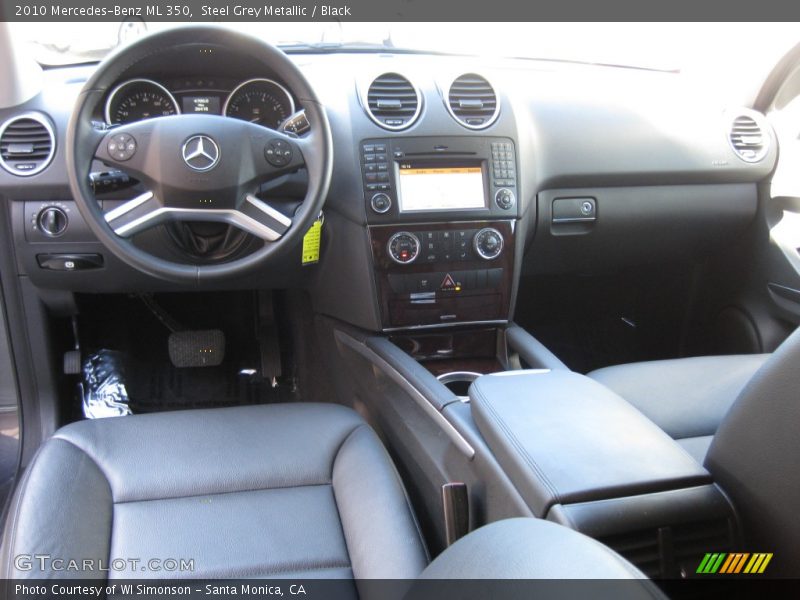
152	381
164	387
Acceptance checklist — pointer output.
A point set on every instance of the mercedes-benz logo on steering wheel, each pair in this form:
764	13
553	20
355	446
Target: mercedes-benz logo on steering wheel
200	153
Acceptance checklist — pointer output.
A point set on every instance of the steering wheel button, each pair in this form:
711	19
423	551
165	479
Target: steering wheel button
122	147
278	153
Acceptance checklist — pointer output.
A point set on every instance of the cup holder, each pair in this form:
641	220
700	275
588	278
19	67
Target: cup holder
458	382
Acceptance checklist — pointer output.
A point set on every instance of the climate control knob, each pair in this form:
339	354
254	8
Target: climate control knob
52	221
403	247
488	243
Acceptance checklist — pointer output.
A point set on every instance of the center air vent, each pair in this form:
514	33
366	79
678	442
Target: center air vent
393	102
472	101
748	139
27	144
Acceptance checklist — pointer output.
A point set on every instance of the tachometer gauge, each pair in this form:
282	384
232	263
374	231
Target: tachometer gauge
260	101
139	99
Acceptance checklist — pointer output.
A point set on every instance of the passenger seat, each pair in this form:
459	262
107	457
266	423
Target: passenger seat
686	397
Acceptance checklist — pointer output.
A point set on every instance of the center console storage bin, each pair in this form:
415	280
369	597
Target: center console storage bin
563	438
582	456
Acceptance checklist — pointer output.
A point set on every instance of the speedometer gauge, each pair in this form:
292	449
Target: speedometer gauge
139	99
260	101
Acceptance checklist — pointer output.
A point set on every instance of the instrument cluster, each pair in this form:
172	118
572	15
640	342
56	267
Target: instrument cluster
259	100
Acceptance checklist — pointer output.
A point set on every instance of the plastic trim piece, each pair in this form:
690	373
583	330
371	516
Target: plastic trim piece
449	430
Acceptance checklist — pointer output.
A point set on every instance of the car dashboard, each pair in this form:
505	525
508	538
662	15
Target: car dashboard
452	176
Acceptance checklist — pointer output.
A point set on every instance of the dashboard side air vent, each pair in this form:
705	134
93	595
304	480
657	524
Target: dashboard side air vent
748	139
393	102
27	144
472	101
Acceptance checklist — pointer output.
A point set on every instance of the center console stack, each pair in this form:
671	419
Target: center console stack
442	217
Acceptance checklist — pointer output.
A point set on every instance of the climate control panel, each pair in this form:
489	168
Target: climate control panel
433	274
446	245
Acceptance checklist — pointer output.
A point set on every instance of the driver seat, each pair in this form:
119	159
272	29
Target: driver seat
295	491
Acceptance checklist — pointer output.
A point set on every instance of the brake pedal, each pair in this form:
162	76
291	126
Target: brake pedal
204	348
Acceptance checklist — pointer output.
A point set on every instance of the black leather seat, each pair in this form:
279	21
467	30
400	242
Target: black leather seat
687	397
279	491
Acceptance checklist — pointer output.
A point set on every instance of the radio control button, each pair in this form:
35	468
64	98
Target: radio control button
504	198
381	203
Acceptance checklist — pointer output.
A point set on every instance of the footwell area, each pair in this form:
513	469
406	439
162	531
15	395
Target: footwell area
157	386
126	324
596	320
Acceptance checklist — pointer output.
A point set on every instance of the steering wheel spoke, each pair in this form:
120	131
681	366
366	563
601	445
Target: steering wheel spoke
136	215
258	218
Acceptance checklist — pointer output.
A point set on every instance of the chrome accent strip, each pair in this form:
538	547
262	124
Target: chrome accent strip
122	209
44	122
519	372
442	325
268	210
446	426
107	111
232	217
574	220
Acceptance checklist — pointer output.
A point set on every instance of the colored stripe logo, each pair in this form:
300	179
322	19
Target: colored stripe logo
734	562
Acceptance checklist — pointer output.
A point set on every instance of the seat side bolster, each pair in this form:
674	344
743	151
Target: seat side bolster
382	535
63	509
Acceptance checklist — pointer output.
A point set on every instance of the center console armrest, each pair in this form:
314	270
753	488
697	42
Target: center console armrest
563	438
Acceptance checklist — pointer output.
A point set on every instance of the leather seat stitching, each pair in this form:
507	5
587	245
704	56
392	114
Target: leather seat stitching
227	492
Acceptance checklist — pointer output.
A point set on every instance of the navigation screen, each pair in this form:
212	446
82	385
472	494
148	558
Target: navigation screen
440	187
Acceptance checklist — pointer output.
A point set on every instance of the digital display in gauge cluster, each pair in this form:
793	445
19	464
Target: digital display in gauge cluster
202	105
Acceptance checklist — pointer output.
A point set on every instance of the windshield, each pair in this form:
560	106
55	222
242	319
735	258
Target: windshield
663	46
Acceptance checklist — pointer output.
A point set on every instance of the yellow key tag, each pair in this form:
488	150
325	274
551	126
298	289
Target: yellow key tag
311	243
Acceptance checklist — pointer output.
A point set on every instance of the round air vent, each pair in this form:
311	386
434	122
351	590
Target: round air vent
393	102
27	144
472	101
748	139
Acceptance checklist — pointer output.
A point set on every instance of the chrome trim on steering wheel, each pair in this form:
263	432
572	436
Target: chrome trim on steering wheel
164	214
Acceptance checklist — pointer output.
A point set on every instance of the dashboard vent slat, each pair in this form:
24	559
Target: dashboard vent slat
393	102
748	139
472	101
27	144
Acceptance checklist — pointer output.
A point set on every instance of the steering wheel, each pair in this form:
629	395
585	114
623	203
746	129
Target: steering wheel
198	167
